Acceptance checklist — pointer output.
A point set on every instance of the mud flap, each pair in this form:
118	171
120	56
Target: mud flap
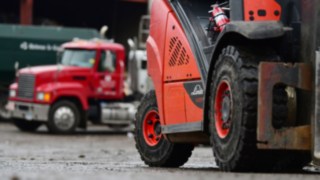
83	121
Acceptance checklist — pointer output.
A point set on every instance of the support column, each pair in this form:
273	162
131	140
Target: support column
26	12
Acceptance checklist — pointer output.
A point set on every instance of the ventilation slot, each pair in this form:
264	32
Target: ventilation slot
178	54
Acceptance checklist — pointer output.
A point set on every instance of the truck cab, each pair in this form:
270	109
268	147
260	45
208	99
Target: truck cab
61	95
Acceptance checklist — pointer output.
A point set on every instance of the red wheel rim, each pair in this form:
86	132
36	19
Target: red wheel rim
223	107
152	128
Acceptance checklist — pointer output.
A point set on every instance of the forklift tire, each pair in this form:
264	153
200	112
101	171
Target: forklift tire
64	117
154	149
233	110
26	126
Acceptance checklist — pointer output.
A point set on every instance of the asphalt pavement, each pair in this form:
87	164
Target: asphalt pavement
101	153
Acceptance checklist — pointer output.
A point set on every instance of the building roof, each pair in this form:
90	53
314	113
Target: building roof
45	32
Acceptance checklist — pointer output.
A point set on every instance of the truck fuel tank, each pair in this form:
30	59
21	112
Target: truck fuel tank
118	113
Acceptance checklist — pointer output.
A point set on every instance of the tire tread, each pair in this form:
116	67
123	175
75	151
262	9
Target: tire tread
175	155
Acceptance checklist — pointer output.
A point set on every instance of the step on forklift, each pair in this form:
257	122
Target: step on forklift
240	75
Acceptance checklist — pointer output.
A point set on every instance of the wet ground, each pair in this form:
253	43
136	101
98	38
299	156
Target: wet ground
100	154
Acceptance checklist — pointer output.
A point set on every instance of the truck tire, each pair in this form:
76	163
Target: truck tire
233	110
154	149
64	117
4	114
26	126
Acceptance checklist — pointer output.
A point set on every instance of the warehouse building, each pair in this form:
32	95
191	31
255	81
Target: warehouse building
121	16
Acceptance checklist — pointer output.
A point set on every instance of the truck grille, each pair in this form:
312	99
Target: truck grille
26	86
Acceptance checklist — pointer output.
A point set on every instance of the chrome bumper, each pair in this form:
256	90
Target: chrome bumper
28	111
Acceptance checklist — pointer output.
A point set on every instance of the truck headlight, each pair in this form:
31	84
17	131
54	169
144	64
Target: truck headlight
12	93
42	96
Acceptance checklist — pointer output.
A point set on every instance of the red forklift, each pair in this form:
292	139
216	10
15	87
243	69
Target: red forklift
241	75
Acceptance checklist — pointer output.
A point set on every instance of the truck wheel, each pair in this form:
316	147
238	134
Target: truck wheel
154	149
64	117
4	114
26	126
233	110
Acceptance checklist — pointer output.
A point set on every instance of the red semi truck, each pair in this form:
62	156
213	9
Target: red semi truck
64	96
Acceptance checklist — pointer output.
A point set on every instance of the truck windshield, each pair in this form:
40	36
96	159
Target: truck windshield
78	57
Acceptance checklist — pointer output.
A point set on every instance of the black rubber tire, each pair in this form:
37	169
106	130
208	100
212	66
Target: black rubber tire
165	153
238	151
292	161
53	128
4	114
26	126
